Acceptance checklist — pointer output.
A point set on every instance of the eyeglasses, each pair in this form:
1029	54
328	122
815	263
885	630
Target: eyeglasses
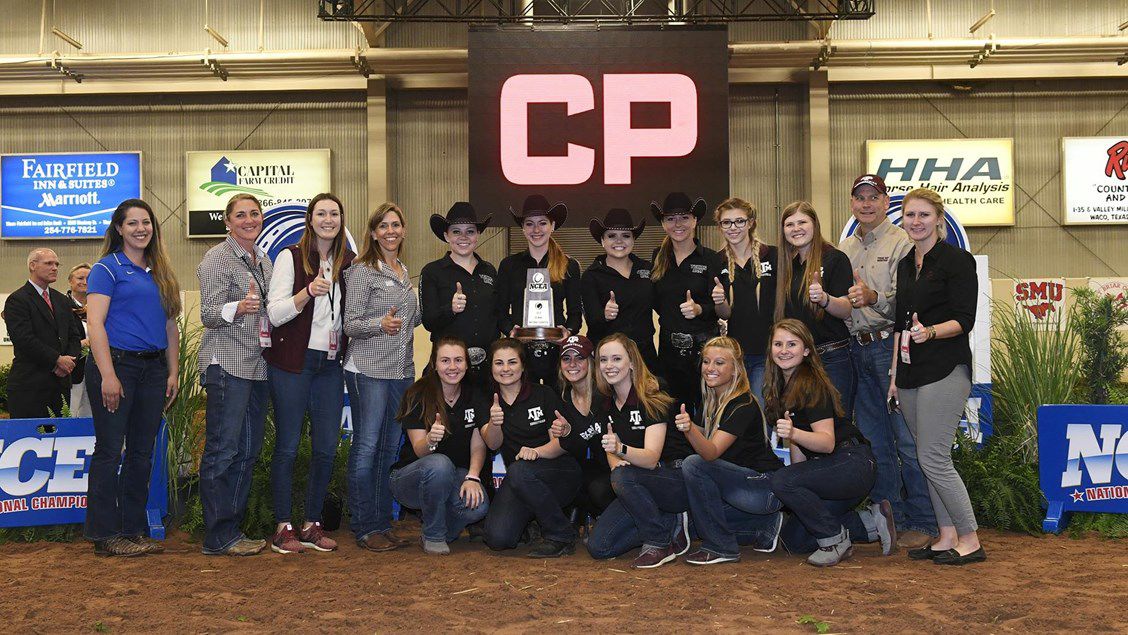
739	223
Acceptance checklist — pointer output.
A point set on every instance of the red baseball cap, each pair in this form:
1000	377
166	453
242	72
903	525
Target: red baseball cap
578	344
872	180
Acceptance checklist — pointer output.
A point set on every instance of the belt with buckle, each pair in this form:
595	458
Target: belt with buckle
154	354
823	349
873	336
689	340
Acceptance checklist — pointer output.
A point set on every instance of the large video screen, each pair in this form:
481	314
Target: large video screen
64	195
597	118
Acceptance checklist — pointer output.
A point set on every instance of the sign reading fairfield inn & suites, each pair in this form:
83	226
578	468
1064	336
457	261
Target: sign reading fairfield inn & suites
64	194
275	177
975	176
1094	180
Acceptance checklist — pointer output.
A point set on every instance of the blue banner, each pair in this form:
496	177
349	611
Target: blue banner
64	195
44	467
1082	460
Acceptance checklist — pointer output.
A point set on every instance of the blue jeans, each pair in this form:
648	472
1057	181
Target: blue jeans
715	485
375	444
653	498
840	370
754	364
432	485
534	489
115	504
319	388
236	416
822	494
616	533
893	445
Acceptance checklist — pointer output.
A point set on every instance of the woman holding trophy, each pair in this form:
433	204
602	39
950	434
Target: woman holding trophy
538	290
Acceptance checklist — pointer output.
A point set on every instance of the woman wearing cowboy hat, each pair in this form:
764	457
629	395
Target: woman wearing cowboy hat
537	221
457	291
687	277
616	289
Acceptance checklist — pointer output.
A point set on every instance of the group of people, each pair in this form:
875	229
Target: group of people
857	359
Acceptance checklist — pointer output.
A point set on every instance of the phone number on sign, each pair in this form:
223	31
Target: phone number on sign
70	230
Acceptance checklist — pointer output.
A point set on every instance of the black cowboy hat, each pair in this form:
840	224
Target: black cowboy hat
537	205
615	219
460	212
678	203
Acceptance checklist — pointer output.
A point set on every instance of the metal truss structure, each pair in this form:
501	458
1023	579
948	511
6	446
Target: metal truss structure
594	11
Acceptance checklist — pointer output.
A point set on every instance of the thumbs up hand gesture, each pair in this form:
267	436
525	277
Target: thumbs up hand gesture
682	420
815	291
610	441
689	308
718	292
250	302
919	332
560	427
497	416
784	426
390	323
437	431
320	285
611	309
859	293
458	300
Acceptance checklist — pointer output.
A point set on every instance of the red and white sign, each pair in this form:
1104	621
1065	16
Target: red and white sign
1042	300
1094	180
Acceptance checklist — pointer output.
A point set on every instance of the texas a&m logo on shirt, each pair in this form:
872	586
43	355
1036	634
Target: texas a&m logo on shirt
536	415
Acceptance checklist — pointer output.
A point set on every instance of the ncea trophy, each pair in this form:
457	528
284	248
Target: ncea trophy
538	319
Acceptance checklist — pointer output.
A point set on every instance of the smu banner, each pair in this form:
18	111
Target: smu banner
975	176
275	177
64	195
1082	460
597	118
1094	180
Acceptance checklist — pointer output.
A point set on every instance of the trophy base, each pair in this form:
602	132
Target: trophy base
539	333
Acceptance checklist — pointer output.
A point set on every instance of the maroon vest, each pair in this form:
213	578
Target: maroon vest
290	341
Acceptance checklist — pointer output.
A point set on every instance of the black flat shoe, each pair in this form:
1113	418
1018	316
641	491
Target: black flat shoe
552	549
926	553
952	556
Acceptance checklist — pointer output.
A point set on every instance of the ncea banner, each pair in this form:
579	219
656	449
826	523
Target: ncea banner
274	177
975	176
1082	460
64	195
1094	180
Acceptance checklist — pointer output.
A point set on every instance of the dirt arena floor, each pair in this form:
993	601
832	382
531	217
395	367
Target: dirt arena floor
1047	584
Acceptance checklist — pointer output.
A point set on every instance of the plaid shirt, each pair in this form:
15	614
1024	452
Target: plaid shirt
372	293
232	342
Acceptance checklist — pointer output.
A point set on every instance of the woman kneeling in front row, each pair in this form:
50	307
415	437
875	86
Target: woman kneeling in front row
540	479
728	480
440	466
832	467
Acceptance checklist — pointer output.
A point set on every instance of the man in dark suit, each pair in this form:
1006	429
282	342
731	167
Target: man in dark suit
46	339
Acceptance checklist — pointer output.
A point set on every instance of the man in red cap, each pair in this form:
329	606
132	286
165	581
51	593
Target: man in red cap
874	250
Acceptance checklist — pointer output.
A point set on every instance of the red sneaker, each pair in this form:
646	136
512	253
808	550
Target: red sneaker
285	540
315	539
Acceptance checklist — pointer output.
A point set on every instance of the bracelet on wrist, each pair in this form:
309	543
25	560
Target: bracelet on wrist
827	303
473	478
932	332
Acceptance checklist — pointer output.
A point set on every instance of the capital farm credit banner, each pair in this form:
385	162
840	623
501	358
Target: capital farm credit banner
975	176
273	176
64	195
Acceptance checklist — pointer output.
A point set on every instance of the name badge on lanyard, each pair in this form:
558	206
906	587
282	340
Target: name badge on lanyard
334	334
264	332
906	338
334	344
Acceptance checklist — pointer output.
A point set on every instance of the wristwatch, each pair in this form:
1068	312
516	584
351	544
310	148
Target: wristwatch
431	447
622	453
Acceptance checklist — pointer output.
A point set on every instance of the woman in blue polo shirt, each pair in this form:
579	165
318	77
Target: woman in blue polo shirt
133	300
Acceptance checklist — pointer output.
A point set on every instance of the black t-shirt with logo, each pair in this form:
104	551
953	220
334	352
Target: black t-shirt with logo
751	449
471	410
837	276
527	421
585	441
753	302
844	430
629	422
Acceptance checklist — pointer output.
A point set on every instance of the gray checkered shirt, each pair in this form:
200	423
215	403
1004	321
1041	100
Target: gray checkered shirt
225	275
372	293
